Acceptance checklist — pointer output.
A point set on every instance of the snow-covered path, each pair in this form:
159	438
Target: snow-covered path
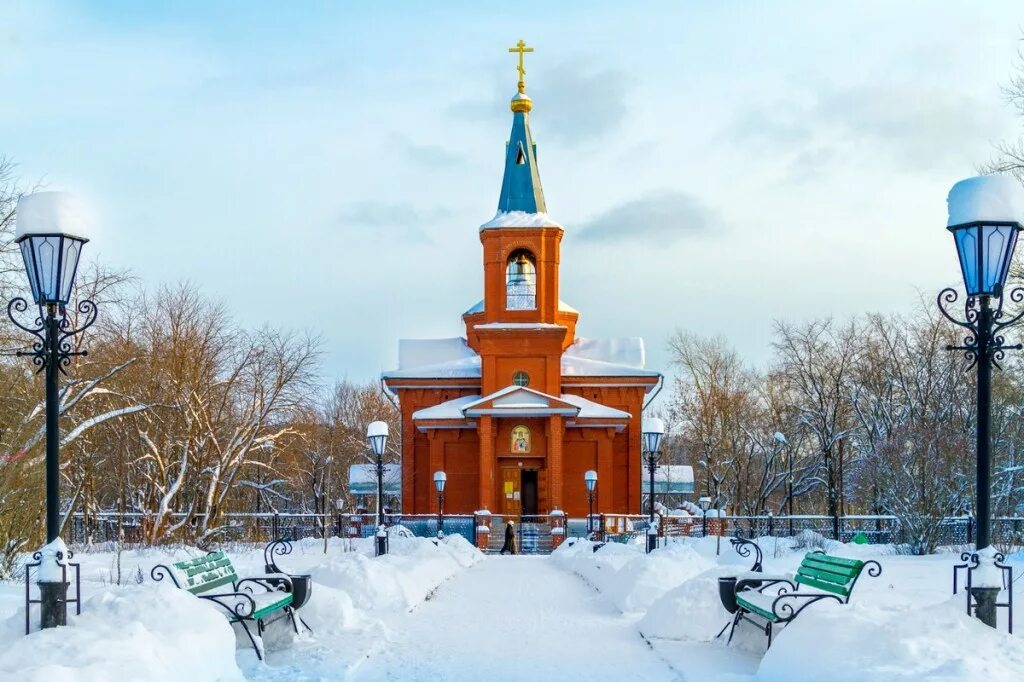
515	618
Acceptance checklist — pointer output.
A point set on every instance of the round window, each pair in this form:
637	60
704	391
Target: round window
521	378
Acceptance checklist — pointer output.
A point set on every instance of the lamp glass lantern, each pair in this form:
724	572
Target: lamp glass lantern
704	503
377	435
440	478
652	429
51	235
590	478
985	250
984	218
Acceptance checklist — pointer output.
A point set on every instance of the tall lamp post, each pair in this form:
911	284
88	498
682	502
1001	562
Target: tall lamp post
653	429
590	479
377	435
440	478
705	504
985	216
50	234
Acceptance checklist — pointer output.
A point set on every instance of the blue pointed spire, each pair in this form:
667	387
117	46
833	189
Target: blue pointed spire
520	188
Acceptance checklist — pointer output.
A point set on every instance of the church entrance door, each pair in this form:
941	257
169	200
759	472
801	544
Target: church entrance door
511	487
529	492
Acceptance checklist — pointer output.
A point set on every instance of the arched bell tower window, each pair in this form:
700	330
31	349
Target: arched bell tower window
521	281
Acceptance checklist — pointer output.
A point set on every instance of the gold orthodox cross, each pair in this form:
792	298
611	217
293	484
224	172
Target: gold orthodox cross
521	48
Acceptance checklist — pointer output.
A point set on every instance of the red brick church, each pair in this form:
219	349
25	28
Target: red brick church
516	411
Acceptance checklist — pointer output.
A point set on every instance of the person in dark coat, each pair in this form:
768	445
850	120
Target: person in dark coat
510	539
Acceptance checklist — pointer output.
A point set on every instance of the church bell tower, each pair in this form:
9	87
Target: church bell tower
522	326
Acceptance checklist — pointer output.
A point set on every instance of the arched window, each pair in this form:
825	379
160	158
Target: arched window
521	281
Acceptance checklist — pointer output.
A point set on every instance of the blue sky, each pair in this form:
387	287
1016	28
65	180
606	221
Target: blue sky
325	166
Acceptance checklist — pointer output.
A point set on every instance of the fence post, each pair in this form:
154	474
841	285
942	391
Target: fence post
276	527
835	527
970	528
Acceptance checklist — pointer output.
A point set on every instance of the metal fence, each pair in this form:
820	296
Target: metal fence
532	533
134	528
955	530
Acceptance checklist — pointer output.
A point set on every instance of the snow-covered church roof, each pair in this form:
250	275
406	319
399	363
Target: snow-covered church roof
453	358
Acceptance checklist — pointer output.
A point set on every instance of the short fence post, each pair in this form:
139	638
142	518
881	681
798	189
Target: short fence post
275	527
970	528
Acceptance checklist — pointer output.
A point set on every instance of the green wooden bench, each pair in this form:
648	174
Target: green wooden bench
214	578
773	600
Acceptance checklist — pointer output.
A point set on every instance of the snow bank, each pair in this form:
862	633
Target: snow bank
862	641
597	568
151	633
154	631
691	611
626	575
637	584
986	197
398	581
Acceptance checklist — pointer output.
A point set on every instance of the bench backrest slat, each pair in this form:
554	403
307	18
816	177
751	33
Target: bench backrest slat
207	572
829	573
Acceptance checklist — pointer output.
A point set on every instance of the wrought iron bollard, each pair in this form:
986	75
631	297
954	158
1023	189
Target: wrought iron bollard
970	562
60	594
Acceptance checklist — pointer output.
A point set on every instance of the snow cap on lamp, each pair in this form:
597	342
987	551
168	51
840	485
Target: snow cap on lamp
377	434
653	429
986	198
985	214
51	230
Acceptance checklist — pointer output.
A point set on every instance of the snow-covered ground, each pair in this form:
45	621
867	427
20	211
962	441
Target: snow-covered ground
444	612
903	625
154	631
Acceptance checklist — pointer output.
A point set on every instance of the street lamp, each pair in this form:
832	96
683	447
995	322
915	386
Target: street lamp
590	479
377	435
339	506
653	429
439	480
984	217
51	235
705	504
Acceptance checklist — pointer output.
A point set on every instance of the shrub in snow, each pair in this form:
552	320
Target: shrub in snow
151	633
809	540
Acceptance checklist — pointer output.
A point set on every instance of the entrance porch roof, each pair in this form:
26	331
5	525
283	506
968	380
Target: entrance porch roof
519	401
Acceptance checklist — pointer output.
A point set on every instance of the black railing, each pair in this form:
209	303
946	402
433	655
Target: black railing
533	533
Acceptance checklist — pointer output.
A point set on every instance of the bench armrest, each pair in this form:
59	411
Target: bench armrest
160	571
788	605
273	582
241	606
761	584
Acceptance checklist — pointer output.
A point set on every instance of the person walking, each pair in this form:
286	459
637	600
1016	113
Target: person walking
510	539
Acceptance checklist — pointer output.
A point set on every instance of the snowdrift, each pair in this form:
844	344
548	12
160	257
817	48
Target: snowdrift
155	632
151	632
